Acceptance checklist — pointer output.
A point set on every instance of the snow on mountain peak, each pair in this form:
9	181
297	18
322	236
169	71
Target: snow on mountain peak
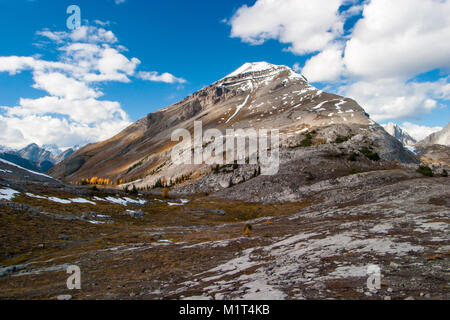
253	67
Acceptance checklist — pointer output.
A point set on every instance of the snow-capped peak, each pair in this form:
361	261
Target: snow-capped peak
252	67
255	67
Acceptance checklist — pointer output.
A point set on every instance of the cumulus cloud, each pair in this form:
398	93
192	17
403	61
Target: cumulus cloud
60	85
419	132
400	38
307	26
325	66
155	76
393	98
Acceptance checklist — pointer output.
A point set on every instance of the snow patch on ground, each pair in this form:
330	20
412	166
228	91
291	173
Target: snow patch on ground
81	200
7	194
238	108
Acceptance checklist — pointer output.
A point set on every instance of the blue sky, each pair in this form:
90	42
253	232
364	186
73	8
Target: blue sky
199	42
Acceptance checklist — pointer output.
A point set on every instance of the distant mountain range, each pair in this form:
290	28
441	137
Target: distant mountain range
33	157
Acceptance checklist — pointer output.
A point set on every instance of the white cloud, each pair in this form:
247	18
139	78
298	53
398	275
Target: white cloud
307	25
87	111
419	132
58	84
400	38
89	34
394	98
165	77
325	66
102	23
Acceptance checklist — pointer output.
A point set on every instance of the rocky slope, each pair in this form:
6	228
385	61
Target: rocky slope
257	95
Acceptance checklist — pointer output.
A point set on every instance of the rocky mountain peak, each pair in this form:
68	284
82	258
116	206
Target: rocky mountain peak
261	68
400	134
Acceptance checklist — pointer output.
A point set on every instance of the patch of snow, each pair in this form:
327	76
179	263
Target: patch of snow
319	105
35	196
174	204
141	202
81	200
7	194
238	108
58	200
96	222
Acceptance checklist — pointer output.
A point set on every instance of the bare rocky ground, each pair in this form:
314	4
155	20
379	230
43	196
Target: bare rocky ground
318	247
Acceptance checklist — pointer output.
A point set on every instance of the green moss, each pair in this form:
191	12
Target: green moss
426	171
370	154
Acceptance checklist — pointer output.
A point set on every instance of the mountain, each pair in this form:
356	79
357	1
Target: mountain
256	95
399	133
34	153
441	137
35	158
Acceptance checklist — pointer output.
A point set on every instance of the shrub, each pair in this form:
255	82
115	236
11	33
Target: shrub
444	173
353	156
370	154
426	171
341	139
307	141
